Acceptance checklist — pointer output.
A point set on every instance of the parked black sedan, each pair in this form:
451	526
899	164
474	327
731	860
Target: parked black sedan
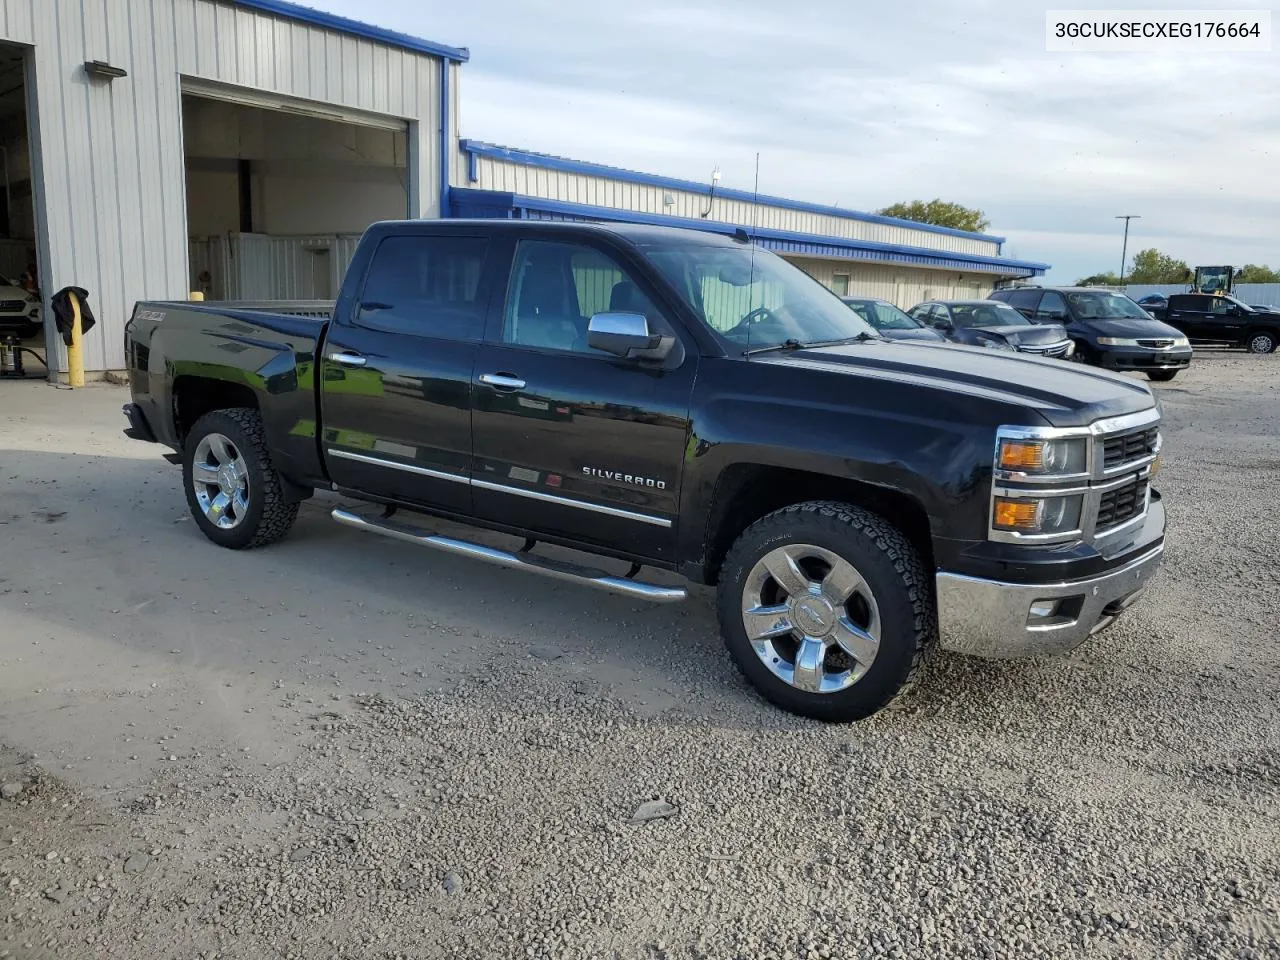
890	321
995	325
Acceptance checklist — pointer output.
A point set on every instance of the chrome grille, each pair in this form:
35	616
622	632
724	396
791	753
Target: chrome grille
1121	505
1122	448
1156	344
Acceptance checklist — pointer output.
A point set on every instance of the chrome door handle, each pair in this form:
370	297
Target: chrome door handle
348	359
502	381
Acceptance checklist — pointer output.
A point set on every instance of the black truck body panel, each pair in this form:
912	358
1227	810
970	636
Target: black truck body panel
1213	318
610	455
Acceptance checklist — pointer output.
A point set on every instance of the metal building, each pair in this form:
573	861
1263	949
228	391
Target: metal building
862	254
154	147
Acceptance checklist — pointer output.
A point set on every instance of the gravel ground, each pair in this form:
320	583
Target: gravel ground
345	747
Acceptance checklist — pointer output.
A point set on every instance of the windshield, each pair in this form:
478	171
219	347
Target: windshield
1101	305
987	315
883	315
760	305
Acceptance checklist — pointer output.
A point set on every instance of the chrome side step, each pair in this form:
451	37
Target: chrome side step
518	561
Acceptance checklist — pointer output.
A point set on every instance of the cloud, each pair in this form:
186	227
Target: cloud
862	108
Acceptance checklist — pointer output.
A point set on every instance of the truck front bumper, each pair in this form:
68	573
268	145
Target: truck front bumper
991	618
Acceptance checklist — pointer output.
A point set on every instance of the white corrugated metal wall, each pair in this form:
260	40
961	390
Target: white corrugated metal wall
1248	292
903	286
497	174
111	153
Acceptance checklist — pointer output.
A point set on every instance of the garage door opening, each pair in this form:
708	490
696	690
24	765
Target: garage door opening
22	337
278	198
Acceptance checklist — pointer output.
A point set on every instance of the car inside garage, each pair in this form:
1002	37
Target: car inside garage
22	346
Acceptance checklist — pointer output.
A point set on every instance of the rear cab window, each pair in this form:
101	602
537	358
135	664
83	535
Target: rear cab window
427	286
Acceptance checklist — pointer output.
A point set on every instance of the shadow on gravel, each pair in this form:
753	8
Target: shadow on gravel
328	598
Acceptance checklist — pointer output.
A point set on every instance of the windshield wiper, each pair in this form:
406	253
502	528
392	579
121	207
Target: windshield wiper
794	344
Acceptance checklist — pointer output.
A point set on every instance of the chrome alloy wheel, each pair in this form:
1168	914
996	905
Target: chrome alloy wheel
811	618
1262	343
220	479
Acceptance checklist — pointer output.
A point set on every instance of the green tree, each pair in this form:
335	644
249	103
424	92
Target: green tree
1257	273
1099	280
1152	266
940	213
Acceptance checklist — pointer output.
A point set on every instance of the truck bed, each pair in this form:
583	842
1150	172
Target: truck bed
255	349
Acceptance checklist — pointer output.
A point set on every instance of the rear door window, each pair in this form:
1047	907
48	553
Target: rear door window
1023	300
1052	307
426	286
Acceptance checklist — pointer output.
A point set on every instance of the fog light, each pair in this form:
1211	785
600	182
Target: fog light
1042	609
1018	514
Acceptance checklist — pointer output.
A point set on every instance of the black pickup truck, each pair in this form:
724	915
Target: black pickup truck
1220	318
684	401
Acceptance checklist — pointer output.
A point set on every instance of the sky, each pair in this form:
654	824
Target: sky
861	105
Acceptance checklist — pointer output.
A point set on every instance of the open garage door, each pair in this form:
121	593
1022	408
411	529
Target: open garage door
22	335
279	191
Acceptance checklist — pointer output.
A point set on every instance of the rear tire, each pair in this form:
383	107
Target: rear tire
234	492
1163	376
814	649
1262	341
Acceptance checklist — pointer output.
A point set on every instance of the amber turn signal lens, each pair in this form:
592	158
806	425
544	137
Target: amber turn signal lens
1022	455
1017	514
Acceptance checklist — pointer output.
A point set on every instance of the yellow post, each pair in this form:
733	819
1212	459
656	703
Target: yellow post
75	357
197	296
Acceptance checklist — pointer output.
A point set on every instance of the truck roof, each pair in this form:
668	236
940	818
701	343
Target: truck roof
637	233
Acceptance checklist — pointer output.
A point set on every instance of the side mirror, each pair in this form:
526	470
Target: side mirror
627	335
946	326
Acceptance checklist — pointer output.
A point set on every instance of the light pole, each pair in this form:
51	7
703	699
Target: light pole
1124	250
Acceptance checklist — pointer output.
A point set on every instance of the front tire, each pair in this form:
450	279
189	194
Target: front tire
234	492
1082	353
1162	376
1262	341
827	610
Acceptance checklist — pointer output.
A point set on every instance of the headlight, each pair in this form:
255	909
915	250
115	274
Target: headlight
994	344
1181	342
1044	516
1117	341
1071	349
1062	457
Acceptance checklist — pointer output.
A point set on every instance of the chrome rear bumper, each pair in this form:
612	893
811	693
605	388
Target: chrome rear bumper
991	618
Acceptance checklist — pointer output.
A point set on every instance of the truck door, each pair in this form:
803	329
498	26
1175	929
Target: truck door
571	441
1189	313
1225	320
396	374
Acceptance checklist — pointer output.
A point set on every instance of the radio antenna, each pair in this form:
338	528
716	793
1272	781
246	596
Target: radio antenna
755	207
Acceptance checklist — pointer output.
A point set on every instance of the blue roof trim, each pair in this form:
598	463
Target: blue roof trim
331	21
531	158
470	202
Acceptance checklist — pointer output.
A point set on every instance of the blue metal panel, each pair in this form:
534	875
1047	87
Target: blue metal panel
780	240
530	158
331	21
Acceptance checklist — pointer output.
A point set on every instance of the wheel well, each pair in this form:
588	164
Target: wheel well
747	492
193	397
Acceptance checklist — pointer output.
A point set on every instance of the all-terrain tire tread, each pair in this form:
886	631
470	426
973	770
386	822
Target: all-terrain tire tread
839	518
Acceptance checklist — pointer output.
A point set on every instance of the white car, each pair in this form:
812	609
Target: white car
19	311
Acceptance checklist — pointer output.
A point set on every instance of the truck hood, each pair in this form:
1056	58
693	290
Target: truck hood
1065	394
